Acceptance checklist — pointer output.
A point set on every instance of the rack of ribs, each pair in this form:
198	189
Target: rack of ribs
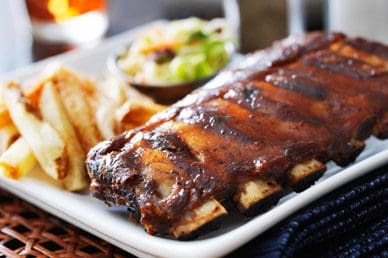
249	136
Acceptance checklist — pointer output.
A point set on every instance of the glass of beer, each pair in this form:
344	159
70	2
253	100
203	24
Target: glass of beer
59	25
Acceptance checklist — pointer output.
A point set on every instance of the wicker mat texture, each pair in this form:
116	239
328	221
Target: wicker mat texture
349	222
26	231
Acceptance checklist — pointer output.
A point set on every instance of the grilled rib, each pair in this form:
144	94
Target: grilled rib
250	135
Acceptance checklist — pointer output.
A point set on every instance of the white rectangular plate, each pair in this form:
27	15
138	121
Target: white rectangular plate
113	225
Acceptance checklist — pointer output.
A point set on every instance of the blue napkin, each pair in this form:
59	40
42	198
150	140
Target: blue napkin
350	222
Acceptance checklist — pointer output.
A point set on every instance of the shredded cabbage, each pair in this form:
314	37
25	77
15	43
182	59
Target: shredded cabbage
181	51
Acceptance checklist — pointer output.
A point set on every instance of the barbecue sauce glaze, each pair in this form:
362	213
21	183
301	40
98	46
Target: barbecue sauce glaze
308	97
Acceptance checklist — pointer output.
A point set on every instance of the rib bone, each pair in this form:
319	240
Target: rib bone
257	195
194	221
303	175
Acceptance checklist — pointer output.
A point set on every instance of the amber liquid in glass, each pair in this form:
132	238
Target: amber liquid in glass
59	10
60	25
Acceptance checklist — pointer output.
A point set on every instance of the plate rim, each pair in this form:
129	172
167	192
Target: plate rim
235	238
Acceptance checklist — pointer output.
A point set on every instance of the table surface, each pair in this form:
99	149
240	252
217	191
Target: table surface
27	230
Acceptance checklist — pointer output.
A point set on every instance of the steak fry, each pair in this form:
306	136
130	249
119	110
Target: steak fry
250	135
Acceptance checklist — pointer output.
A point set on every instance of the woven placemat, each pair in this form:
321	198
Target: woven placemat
27	231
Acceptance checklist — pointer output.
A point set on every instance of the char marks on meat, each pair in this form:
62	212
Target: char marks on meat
312	97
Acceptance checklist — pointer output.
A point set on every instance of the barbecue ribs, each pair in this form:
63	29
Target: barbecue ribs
248	136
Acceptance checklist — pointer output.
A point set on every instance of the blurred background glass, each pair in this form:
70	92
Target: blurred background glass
60	25
34	29
359	17
15	35
305	15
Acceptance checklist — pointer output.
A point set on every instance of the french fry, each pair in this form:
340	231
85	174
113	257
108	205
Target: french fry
80	114
33	95
118	92
129	113
78	98
5	119
8	134
105	119
133	113
53	111
17	160
53	73
46	144
114	90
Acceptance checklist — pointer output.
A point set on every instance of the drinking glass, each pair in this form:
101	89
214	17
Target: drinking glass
59	25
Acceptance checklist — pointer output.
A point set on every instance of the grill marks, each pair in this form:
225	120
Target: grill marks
247	112
297	81
332	62
309	106
216	152
342	109
337	109
225	152
373	48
